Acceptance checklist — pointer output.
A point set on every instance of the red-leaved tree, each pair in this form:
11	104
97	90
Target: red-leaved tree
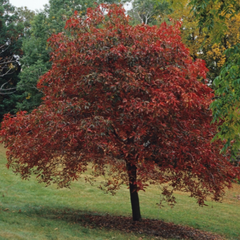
126	100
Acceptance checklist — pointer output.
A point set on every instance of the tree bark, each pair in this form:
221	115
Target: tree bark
132	174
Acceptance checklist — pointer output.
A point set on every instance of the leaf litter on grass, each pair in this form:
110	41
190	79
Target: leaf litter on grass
150	227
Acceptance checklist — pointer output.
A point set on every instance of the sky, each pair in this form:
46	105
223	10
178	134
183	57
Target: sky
33	4
30	4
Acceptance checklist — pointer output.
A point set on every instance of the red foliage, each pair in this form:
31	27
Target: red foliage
119	96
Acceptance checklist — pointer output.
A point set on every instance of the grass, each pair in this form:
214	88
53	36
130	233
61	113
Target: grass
28	210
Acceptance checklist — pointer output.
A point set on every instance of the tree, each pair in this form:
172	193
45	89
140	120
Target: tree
127	101
226	104
10	51
212	14
148	12
34	63
25	16
226	15
30	95
8	39
36	50
201	40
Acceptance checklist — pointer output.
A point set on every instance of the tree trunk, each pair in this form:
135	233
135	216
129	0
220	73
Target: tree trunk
132	174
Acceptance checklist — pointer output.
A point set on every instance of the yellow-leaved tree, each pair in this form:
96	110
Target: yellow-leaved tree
203	41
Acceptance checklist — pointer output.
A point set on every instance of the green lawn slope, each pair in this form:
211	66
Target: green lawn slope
29	210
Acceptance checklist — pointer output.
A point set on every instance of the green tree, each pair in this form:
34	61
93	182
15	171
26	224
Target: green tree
226	106
35	46
25	16
31	95
35	52
11	31
149	11
217	17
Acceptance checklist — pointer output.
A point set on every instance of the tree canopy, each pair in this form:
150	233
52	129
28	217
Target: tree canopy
129	102
36	57
221	19
212	14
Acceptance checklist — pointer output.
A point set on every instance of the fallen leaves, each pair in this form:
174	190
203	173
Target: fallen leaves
150	227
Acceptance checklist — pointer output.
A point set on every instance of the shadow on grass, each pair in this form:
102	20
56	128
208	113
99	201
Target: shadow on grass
150	227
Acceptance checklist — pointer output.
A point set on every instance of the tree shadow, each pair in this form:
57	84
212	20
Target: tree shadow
148	227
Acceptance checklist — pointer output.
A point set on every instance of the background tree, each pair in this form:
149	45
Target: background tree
126	100
25	16
212	14
10	52
149	12
30	95
226	104
201	40
36	52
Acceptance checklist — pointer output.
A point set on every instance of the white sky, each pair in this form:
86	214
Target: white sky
37	4
30	4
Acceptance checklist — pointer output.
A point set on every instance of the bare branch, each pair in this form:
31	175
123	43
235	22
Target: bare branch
6	61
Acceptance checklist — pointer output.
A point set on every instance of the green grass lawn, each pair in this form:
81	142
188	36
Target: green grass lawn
29	210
